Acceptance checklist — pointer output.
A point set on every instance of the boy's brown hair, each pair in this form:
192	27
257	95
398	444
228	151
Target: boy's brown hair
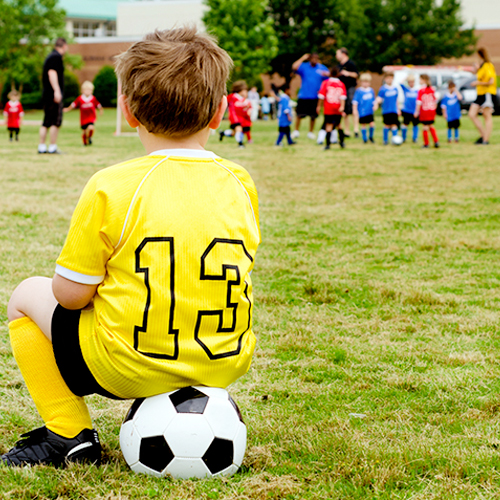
389	73
451	84
174	80
238	86
426	79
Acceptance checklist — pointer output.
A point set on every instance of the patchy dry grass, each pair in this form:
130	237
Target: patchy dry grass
377	313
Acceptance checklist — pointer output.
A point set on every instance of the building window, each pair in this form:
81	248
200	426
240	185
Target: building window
89	29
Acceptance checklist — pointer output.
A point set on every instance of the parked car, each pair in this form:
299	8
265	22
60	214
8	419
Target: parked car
469	94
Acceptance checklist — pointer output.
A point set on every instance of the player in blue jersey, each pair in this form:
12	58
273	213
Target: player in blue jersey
363	105
411	92
312	74
284	115
388	97
452	110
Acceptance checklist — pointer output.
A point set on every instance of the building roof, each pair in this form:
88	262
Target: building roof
91	9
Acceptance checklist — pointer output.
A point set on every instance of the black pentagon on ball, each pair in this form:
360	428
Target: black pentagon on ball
133	409
219	455
189	400
155	453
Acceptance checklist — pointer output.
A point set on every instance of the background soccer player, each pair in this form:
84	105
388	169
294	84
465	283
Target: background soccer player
284	116
14	113
364	104
332	95
88	104
410	105
426	110
388	97
452	110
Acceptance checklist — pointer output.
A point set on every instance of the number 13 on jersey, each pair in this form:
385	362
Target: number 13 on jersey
209	303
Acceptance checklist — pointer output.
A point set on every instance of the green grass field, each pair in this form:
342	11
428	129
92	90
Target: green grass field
377	309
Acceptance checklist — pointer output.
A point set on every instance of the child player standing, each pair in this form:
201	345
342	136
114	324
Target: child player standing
152	290
426	110
452	110
284	116
332	94
88	105
410	105
14	113
364	105
388	97
239	108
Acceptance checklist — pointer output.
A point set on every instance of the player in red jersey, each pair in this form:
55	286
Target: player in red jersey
426	110
14	112
88	105
238	108
333	96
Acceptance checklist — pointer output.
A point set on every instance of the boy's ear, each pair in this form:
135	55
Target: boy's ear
219	114
131	119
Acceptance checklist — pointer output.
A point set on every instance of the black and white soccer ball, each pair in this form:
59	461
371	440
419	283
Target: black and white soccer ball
397	140
194	432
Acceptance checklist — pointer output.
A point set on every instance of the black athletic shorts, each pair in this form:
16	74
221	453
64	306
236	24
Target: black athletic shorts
348	102
454	123
87	125
68	354
247	129
13	129
53	114
427	122
409	118
284	130
335	119
364	120
307	107
391	119
234	125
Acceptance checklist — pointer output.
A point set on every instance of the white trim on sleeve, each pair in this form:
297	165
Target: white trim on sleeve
84	279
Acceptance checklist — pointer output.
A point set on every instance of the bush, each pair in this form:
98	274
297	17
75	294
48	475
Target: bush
106	85
71	87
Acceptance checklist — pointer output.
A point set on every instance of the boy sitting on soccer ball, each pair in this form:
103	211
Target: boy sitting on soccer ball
152	290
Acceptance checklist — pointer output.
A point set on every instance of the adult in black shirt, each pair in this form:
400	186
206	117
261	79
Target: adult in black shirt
348	75
53	88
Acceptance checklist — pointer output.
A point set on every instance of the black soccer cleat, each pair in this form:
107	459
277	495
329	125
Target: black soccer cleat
42	446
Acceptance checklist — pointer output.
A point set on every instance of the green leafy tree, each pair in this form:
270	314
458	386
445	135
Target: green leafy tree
377	32
25	27
106	85
245	31
381	32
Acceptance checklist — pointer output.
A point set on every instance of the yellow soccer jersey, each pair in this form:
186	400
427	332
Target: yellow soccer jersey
484	74
171	240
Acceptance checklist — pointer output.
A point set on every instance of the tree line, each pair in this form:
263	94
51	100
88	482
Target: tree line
266	36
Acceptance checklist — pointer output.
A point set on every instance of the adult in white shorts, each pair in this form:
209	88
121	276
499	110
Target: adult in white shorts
486	85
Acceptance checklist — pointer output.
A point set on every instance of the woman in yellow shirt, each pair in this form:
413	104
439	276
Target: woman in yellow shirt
486	84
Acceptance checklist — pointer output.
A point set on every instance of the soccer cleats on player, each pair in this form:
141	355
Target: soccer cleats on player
44	447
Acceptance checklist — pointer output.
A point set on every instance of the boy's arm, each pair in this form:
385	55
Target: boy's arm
72	295
445	114
417	110
355	108
459	95
70	107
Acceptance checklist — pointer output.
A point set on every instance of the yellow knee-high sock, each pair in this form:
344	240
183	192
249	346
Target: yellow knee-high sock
62	411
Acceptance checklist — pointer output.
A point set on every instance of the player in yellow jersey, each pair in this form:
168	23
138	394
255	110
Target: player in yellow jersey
152	290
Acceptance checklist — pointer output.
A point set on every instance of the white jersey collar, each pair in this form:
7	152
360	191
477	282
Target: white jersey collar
185	153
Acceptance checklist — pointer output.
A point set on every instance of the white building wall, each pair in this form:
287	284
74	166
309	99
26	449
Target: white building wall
139	18
483	14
